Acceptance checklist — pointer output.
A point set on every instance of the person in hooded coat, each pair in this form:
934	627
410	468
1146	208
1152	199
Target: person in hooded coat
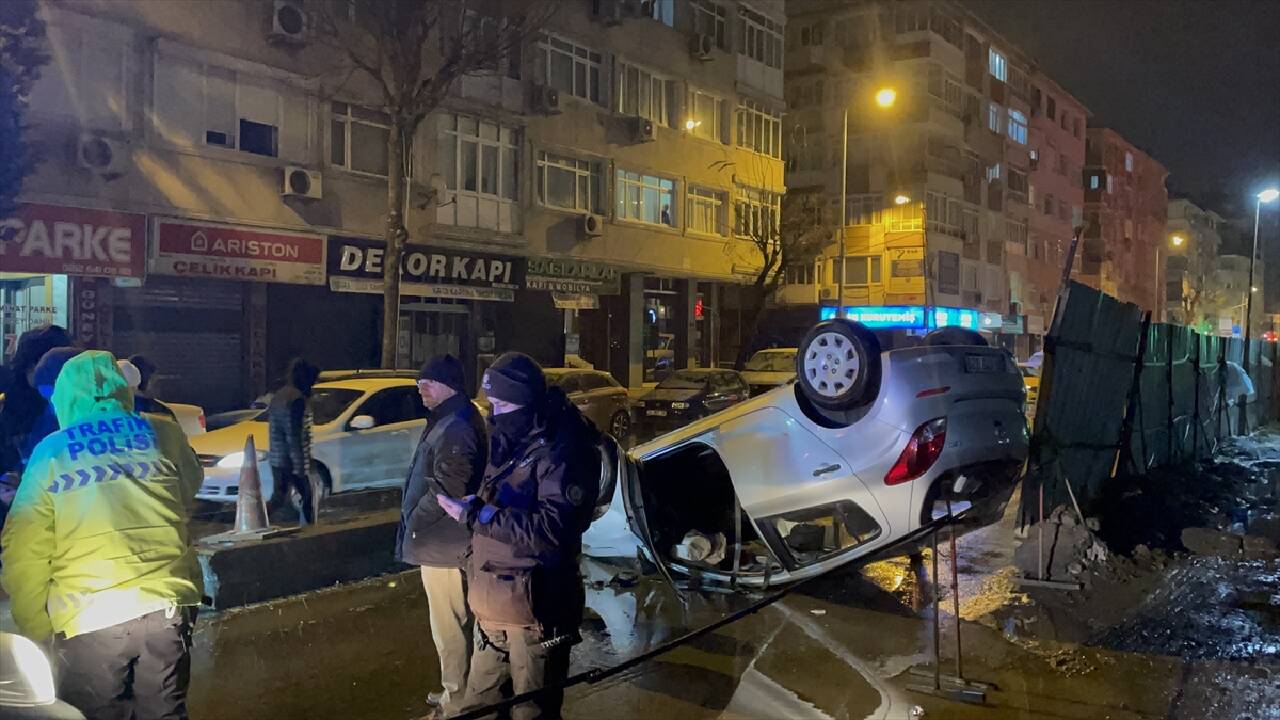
289	428
97	551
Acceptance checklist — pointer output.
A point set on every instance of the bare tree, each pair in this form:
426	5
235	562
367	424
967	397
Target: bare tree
413	52
794	238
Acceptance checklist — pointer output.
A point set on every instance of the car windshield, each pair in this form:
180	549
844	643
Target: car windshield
684	380
772	362
328	403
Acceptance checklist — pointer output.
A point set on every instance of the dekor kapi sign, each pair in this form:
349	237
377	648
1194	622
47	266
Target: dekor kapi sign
357	265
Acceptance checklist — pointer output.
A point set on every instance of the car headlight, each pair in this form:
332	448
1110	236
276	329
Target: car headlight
679	406
236	459
640	404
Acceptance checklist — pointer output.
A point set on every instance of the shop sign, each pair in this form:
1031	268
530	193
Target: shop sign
1035	324
356	265
91	313
197	249
566	275
576	301
990	322
1012	325
58	240
907	317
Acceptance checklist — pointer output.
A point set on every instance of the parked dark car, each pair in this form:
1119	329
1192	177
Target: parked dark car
601	398
686	395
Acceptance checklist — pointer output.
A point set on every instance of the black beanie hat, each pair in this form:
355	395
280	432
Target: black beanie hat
46	371
446	370
515	378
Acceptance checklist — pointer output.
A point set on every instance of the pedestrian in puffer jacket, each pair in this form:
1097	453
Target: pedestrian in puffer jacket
527	522
289	450
450	458
97	552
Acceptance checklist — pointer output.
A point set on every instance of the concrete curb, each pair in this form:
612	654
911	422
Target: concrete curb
253	571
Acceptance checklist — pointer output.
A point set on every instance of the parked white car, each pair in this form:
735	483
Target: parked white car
767	369
364	436
855	458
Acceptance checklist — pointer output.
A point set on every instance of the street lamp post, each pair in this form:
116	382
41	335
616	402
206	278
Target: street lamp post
885	98
1265	196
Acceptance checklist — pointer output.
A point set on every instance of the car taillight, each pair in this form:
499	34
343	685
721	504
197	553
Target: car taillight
920	454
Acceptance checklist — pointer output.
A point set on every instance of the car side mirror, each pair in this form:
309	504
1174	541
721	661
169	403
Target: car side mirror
362	422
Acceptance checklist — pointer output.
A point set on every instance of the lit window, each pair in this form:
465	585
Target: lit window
568	183
1128	161
706	114
358	139
705	212
645	198
994	117
1017	127
759	129
1094	182
997	65
993	172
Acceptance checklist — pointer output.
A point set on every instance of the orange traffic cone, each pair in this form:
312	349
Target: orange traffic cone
251	509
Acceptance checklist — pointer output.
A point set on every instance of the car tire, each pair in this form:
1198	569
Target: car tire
838	365
322	483
620	426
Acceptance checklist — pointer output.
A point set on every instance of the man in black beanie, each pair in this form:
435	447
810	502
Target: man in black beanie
536	500
450	459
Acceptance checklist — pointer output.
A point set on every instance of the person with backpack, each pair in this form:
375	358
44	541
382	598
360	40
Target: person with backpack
450	458
527	521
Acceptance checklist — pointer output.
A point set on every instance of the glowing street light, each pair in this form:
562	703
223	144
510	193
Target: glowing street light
1177	240
901	199
692	124
885	97
1268	195
1265	196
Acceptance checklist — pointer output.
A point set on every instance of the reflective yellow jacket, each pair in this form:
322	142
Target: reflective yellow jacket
97	534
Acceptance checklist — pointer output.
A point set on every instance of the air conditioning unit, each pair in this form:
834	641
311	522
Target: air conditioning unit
700	46
591	225
105	157
288	22
642	130
826	293
302	183
546	100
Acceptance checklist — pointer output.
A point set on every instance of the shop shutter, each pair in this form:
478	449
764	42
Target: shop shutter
202	368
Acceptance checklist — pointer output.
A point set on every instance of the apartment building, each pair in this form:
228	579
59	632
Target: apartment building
1125	212
1056	196
938	201
214	191
1194	243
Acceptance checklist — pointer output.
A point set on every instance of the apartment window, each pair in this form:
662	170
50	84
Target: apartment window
645	198
809	35
709	19
1050	107
759	129
910	18
571	69
1076	127
358	139
1063	121
642	93
198	104
1048	204
1016	232
760	37
997	64
994	117
1017	126
993	172
862	270
664	11
801	274
1064	164
707	114
947	27
1018	184
969	224
946	87
569	183
863	209
756	213
1033	155
1128	161
1095	181
705	211
1111	186
478	160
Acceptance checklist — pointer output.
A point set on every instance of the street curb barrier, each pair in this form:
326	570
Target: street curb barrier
246	572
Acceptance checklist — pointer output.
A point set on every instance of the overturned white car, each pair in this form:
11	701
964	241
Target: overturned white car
850	459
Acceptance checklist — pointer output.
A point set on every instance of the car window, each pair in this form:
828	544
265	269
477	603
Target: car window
393	406
328	403
569	382
594	381
772	361
685	380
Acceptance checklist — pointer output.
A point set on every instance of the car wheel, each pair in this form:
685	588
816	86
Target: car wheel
838	366
323	482
620	425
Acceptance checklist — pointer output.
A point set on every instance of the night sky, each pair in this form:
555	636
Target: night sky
1196	83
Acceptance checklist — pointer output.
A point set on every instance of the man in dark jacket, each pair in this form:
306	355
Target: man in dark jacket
450	458
289	430
142	400
527	523
23	405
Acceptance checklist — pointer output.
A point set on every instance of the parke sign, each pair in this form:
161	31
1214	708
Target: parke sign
60	240
357	265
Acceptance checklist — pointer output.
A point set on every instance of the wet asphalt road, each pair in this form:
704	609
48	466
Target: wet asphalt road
838	647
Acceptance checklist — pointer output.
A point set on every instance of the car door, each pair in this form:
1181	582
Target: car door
382	453
724	392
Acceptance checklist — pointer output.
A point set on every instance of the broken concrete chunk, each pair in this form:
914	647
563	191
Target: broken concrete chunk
1208	541
1257	547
